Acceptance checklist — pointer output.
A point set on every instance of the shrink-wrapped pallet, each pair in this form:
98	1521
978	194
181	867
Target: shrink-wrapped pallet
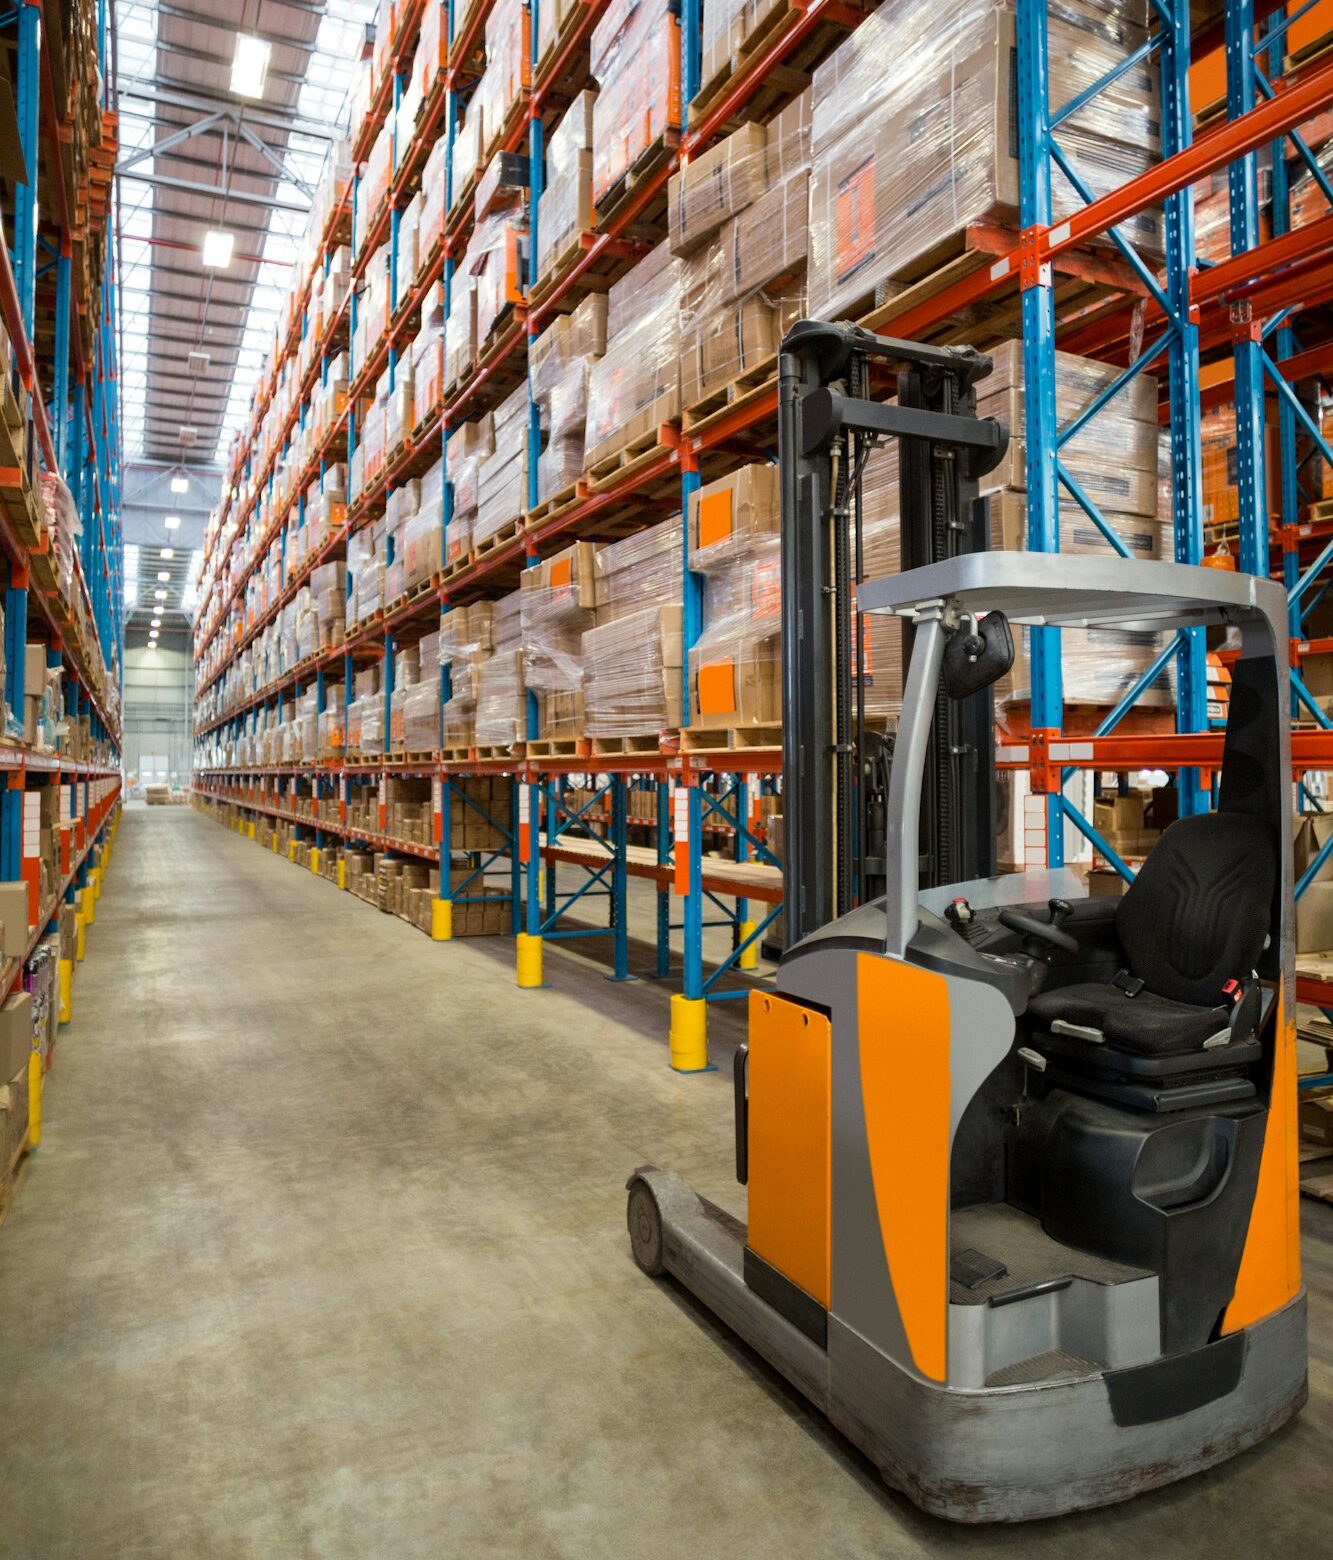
915	135
565	208
635	59
502	475
555	610
632	670
634	387
560	362
735	671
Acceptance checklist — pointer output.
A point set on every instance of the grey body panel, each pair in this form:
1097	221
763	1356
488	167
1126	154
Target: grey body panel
1002	1454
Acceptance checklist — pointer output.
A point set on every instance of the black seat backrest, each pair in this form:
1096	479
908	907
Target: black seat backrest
1197	914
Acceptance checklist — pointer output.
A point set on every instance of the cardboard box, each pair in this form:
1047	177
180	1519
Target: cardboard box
14	916
715	186
718	349
1316	1120
742	504
13	1116
15	1032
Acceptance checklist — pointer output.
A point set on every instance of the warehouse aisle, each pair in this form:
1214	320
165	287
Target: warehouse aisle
324	1256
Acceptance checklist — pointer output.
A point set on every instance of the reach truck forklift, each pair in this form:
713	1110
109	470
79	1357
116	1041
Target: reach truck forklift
1021	1164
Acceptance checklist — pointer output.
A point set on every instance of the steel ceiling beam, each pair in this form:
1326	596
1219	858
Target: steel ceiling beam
176	138
174	94
215	192
277	162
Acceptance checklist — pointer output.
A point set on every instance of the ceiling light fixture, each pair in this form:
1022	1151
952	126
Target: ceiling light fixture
163	576
217	249
249	65
182	484
167	552
157	623
172	522
159	595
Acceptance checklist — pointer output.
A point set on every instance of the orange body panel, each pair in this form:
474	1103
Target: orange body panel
790	1053
903	1016
1270	1265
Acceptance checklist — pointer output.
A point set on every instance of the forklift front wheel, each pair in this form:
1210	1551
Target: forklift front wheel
645	1228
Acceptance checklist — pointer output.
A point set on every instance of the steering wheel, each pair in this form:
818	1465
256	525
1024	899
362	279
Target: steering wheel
1040	931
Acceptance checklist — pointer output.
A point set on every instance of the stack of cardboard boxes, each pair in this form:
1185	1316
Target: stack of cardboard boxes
915	135
560	363
632	655
735	665
556	605
738	220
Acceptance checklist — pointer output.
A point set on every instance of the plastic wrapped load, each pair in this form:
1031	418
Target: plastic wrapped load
555	610
502	476
635	58
735	665
632	656
560	362
494	261
915	135
632	674
501	713
635	387
463	453
716	186
464	643
565	208
1113	458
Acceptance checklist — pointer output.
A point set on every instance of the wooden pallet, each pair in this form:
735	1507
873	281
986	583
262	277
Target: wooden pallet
505	750
637	455
560	747
609	747
748	387
988	322
783	82
731	739
557	506
651	221
457	755
497	539
1320	512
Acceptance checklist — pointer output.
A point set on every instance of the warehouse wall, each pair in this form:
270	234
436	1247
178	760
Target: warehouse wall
159	686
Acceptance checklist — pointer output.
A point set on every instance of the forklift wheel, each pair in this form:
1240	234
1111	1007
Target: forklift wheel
645	1229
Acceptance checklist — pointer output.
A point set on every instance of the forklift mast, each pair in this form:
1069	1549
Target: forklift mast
835	771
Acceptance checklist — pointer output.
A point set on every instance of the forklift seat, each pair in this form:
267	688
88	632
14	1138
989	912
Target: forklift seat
1191	927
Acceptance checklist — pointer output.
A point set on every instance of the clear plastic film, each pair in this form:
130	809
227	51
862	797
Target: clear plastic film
915	134
1113	457
565	208
735	664
508	56
714	187
501	715
635	386
502	476
638	570
493	262
636	60
632	673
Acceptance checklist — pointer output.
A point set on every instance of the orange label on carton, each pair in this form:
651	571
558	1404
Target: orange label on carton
855	212
717	688
715	521
561	571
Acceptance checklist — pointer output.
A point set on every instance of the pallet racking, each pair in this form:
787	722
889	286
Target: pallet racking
1234	331
60	453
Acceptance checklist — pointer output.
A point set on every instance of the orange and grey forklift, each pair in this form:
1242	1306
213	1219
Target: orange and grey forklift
1022	1203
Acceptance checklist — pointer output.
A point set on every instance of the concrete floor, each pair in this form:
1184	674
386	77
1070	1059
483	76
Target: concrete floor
323	1255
